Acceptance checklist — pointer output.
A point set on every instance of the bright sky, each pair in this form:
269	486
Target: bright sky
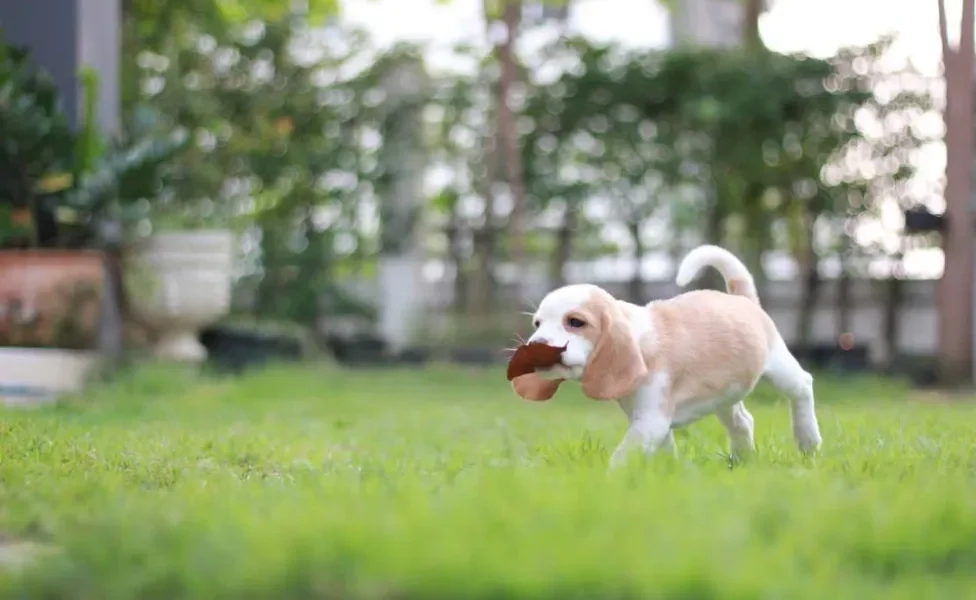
818	27
633	22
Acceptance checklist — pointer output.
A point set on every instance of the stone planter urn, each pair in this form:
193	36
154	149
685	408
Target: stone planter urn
178	283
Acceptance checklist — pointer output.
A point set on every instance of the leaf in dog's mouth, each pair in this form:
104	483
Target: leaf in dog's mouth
529	357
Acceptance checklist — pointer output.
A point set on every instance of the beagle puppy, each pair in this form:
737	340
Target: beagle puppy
673	361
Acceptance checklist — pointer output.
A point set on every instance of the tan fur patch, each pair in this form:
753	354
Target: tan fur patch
706	341
616	366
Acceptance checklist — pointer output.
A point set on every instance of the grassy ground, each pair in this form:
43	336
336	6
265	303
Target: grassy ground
299	483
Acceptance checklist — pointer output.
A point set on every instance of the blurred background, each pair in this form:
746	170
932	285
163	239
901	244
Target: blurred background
390	181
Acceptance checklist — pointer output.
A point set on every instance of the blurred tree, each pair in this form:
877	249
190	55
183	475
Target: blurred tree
893	147
752	10
285	148
589	143
744	143
499	157
502	20
742	18
956	286
878	171
148	25
463	134
649	133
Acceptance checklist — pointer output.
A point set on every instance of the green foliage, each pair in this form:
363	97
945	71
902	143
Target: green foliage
152	24
302	483
748	148
35	140
113	179
123	181
238	11
158	27
741	136
300	154
276	152
77	177
88	143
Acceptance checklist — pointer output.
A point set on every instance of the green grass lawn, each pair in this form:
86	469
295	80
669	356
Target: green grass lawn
301	483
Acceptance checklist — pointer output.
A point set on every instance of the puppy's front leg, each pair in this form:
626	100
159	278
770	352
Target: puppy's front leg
650	424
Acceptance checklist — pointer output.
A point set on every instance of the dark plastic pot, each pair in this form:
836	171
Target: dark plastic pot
830	357
362	349
415	356
238	349
920	369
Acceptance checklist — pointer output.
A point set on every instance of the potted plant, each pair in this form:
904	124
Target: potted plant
50	304
176	262
178	281
58	190
50	298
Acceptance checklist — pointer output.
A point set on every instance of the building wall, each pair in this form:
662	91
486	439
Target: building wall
99	45
64	36
49	29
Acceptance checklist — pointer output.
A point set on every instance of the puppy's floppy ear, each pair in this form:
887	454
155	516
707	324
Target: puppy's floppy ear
533	387
616	365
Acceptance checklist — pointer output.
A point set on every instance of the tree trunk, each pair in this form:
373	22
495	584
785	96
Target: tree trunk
809	289
752	10
508	134
635	287
483	288
563	250
956	286
480	290
456	258
754	250
714	223
842	303
892	308
756	236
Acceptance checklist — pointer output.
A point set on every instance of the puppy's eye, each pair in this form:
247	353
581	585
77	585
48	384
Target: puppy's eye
575	323
535	323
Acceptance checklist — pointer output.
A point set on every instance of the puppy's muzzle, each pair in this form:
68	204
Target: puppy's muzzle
538	339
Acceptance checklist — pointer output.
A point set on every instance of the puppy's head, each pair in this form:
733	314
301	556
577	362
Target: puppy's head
601	353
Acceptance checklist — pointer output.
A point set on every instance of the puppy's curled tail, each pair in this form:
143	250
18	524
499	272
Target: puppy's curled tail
738	280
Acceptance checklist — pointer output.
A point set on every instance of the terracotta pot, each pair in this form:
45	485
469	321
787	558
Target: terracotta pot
50	298
178	283
50	303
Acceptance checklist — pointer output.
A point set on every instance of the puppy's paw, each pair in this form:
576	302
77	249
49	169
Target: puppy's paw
617	461
808	438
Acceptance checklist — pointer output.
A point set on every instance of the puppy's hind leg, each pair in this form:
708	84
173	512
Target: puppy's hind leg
786	374
739	425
